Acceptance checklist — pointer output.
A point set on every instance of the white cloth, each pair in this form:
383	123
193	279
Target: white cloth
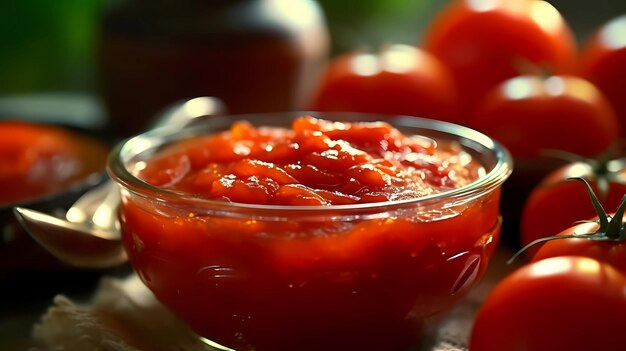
122	316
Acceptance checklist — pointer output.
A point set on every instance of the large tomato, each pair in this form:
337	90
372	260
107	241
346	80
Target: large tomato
485	42
568	303
603	62
400	79
530	114
556	203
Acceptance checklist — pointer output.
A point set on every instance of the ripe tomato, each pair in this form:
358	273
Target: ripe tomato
561	303
611	252
603	62
601	238
485	42
529	114
400	79
556	203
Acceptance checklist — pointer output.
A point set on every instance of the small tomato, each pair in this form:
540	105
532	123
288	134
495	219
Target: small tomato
603	62
485	42
401	79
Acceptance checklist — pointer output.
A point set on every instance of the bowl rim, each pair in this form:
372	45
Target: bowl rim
135	145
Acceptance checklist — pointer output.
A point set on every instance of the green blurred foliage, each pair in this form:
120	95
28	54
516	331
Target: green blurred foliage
47	45
585	16
367	24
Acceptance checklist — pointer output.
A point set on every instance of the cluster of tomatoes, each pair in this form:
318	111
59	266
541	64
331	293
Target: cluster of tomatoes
571	296
510	68
513	70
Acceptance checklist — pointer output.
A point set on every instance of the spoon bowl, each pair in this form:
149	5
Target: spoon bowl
78	244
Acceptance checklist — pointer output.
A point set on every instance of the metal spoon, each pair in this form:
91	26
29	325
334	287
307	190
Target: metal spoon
89	235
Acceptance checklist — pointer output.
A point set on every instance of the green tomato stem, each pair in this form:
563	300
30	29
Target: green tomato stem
603	219
547	238
615	226
609	228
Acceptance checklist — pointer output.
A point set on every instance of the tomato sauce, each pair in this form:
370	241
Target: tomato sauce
318	162
330	278
37	159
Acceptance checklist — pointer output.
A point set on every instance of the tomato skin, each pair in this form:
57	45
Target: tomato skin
400	79
603	62
529	114
487	42
560	303
610	252
556	203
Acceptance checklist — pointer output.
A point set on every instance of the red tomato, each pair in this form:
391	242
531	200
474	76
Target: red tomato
485	42
556	203
560	303
603	63
611	252
601	238
399	80
529	114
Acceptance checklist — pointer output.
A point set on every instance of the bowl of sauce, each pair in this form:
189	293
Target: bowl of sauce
44	167
310	231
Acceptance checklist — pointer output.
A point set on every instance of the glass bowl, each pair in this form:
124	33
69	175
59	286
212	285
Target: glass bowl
342	277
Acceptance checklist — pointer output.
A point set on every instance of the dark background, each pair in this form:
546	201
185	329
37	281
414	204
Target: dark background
49	45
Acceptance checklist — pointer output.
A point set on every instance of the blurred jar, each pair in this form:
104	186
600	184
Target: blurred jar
256	55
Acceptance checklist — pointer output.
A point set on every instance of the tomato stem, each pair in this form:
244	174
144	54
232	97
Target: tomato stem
615	228
603	219
609	228
543	240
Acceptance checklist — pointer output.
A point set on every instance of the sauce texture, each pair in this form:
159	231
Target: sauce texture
317	162
38	159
